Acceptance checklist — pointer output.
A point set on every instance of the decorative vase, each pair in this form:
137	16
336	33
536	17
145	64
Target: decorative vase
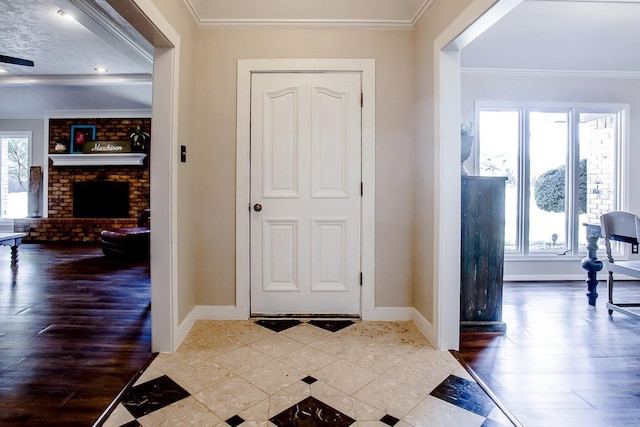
466	142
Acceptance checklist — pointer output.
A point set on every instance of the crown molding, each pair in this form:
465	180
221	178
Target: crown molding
407	24
422	12
193	13
97	114
305	23
77	80
551	73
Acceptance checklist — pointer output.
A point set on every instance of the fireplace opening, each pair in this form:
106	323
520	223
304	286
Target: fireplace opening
100	199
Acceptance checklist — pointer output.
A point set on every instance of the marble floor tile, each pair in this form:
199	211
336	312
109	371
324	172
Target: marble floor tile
187	412
212	345
341	345
307	334
307	359
278	325
257	412
435	412
465	394
242	359
415	375
379	357
313	412
194	370
333	373
390	396
277	345
230	397
153	395
246	332
120	416
272	377
331	325
345	376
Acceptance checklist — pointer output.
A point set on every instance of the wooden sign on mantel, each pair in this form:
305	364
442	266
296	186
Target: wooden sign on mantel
106	147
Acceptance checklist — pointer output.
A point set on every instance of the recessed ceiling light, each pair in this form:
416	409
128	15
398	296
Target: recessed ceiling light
2	70
100	70
65	15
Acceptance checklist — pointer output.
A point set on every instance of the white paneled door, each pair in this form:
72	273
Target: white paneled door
305	193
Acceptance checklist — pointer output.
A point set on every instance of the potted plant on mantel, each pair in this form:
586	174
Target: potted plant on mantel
139	139
466	141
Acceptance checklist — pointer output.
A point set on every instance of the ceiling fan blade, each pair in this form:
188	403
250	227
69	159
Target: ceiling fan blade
16	61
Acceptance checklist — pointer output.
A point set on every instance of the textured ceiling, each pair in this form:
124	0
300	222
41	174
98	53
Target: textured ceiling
32	29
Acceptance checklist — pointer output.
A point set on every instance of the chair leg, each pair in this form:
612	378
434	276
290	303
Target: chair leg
610	288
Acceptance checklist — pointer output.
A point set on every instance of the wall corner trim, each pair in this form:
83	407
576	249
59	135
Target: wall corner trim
426	327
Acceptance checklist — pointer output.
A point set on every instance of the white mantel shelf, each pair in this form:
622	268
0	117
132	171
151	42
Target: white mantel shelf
119	159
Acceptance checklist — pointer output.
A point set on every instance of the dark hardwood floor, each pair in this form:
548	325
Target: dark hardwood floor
561	362
74	329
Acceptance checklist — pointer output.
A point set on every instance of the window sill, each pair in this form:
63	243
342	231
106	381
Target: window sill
556	258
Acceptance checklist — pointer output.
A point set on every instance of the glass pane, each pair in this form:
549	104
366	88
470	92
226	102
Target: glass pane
14	176
548	133
597	139
498	147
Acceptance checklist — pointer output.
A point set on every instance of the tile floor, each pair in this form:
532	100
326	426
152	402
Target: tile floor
306	373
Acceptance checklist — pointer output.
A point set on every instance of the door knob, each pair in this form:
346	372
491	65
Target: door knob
257	207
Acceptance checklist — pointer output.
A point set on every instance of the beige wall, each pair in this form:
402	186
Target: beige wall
215	101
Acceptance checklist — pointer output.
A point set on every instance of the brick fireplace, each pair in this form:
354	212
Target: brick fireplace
61	225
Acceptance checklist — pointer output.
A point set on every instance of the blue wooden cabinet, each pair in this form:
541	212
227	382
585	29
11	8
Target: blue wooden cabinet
482	254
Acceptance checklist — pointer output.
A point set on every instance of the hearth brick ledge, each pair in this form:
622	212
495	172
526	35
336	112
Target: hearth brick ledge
68	229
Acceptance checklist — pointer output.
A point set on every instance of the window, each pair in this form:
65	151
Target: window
562	171
14	174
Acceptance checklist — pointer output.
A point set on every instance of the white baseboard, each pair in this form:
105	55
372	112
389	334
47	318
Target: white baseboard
206	312
543	278
221	312
426	327
388	314
184	328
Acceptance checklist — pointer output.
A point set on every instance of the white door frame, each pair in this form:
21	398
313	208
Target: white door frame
475	19
163	173
243	249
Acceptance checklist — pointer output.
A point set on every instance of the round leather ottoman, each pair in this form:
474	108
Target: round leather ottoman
129	243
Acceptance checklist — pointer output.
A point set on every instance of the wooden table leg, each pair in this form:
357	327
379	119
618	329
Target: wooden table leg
591	263
14	256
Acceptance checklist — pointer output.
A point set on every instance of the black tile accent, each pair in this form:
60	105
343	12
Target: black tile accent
278	325
235	421
313	413
331	325
133	423
153	395
389	420
309	380
464	394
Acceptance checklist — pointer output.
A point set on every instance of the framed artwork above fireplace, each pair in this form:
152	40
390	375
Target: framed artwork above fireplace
81	134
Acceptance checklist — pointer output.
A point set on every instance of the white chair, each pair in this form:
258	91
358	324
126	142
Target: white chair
620	227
